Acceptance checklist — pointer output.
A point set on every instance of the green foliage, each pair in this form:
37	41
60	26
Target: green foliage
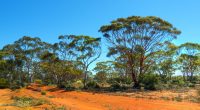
178	98
15	85
3	83
57	108
101	77
78	84
38	81
122	80
127	45
136	53
115	87
92	85
43	92
68	86
179	81
28	101
149	81
120	83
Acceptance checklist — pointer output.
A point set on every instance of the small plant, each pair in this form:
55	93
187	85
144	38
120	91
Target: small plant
3	83
198	92
178	99
58	108
115	87
165	98
43	92
38	81
51	96
149	81
28	101
92	85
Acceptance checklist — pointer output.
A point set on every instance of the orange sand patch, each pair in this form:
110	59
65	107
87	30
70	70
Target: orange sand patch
75	100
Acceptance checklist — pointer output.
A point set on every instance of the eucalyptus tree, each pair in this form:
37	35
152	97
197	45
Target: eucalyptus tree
30	49
4	66
66	47
166	64
137	39
87	50
103	71
25	52
189	60
56	72
14	63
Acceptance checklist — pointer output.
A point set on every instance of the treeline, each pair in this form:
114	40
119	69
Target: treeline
141	51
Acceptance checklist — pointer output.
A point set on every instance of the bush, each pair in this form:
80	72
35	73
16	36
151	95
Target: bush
43	93
38	81
3	83
68	86
115	87
121	80
178	81
149	81
190	84
78	84
92	85
57	108
28	101
118	87
15	85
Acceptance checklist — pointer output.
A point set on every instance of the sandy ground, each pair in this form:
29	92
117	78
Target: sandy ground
75	100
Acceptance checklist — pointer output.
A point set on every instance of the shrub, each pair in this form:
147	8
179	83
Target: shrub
78	84
191	85
115	87
121	80
3	83
15	85
28	101
118	87
92	85
178	80
150	81
43	93
58	108
198	92
38	81
178	98
67	86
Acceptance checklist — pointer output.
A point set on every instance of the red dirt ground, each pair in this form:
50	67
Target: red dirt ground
75	100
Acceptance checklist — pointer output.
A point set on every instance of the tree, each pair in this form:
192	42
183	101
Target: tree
87	50
60	71
137	39
189	60
25	54
166	64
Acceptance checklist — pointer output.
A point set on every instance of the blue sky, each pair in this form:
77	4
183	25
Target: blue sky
48	19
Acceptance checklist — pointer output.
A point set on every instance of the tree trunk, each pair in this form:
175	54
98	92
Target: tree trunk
134	79
85	78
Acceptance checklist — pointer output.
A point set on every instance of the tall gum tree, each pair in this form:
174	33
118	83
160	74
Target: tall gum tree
137	39
84	49
189	59
88	50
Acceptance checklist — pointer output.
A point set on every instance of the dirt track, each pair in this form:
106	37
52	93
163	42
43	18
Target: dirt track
90	101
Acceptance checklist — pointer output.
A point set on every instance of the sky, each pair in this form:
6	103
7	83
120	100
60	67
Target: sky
48	19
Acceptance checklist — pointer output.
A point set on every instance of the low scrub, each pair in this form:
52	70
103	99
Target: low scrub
92	85
28	101
3	83
149	81
43	92
38	81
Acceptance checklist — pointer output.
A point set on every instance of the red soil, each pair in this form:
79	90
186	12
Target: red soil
76	100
